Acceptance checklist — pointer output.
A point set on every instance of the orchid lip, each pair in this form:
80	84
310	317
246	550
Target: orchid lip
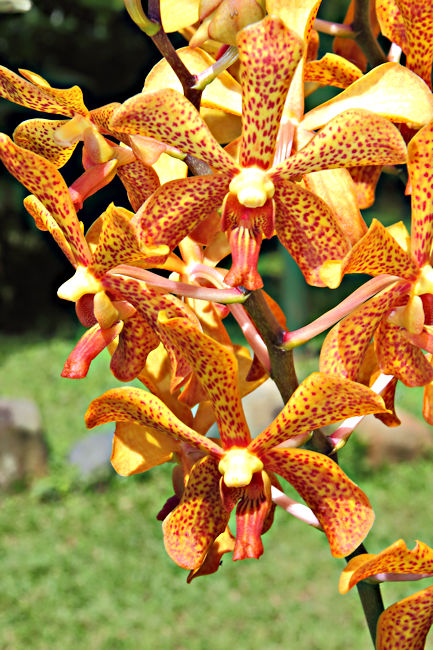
238	466
252	187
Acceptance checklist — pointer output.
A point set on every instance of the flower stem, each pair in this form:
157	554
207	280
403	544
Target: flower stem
334	29
364	36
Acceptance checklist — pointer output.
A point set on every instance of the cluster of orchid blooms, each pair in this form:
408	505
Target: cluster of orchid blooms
216	154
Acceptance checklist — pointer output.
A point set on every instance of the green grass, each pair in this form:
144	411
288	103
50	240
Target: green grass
88	568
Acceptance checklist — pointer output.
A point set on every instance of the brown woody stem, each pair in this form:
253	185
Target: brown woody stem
364	36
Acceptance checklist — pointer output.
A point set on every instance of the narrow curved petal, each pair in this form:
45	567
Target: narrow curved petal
391	89
93	341
344	347
406	623
342	508
307	228
409	23
396	559
269	54
140	182
224	543
332	70
169	117
139	406
420	151
136	340
217	370
44	221
397	356
38	94
297	16
179	206
102	116
355	137
252	513
41	178
365	179
37	136
320	400
137	449
190	530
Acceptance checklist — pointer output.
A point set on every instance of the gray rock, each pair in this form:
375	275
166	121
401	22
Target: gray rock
23	452
92	454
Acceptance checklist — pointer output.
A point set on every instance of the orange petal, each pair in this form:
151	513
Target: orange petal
168	116
342	508
320	400
216	368
102	116
137	449
406	623
139	406
44	221
136	340
200	517
397	356
93	341
396	559
37	136
140	182
224	543
39	95
332	70
355	137
365	179
344	347
179	206
392	90
41	178
269	54
306	227
420	152
251	514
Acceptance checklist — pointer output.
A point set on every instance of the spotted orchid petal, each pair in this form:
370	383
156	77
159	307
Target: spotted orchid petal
39	95
200	517
409	24
137	339
217	371
427	408
93	341
377	252
101	118
137	448
341	507
136	405
179	206
344	347
355	137
44	221
41	178
397	356
397	559
420	152
365	179
269	54
251	515
394	91
224	543
140	182
320	400
332	70
406	623
168	116
37	136
307	228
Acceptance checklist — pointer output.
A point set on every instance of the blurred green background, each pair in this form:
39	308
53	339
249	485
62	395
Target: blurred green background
83	564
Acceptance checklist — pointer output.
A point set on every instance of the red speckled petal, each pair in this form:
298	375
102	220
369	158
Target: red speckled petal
332	70
427	408
340	505
200	517
365	179
405	624
41	178
169	117
269	54
397	356
217	370
320	400
355	137
397	559
420	168
251	514
139	406
344	347
136	340
137	449
39	95
37	136
102	116
44	221
307	228
140	182
93	341
409	23
224	543
179	206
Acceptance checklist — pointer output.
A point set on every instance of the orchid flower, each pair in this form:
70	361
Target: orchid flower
406	623
257	198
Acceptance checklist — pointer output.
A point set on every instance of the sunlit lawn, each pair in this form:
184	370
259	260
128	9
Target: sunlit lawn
84	567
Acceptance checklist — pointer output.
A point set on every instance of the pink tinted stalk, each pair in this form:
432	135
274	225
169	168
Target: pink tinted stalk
251	334
298	510
370	288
